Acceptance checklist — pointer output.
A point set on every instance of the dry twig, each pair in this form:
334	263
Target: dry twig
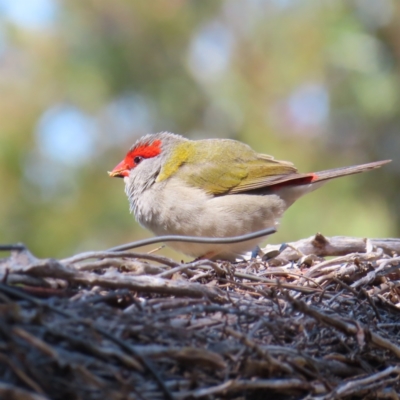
135	326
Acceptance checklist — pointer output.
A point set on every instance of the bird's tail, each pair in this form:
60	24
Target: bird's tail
293	186
314	177
343	171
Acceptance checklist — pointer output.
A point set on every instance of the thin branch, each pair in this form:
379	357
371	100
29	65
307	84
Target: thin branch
12	247
90	324
354	386
110	254
323	246
194	239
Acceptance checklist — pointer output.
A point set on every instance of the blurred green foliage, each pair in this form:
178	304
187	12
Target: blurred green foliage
313	82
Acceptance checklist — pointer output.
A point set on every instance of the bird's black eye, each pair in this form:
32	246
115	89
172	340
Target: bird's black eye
137	160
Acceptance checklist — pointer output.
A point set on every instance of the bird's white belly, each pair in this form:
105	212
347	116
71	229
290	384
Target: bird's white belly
183	210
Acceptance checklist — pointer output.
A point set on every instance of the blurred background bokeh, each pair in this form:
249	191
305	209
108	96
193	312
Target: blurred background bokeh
316	82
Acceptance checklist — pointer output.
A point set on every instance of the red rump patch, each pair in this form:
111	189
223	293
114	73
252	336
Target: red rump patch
294	180
145	151
314	177
303	180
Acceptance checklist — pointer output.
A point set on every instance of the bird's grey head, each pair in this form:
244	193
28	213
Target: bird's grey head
143	162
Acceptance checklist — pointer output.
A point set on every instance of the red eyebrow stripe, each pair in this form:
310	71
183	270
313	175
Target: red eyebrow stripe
146	150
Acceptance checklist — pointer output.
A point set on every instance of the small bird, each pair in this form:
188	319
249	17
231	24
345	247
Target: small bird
213	188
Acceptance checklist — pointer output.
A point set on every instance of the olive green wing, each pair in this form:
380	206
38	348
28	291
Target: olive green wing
224	166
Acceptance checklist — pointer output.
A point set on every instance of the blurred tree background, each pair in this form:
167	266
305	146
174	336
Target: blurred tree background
316	82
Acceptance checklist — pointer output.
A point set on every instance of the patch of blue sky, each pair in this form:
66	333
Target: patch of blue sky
309	105
30	14
210	51
127	116
284	3
67	135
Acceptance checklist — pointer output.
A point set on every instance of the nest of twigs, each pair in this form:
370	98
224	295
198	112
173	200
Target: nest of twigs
122	325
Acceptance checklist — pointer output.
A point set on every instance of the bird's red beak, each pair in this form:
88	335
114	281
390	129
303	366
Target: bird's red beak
120	171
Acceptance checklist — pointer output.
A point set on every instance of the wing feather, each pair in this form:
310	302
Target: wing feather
229	167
